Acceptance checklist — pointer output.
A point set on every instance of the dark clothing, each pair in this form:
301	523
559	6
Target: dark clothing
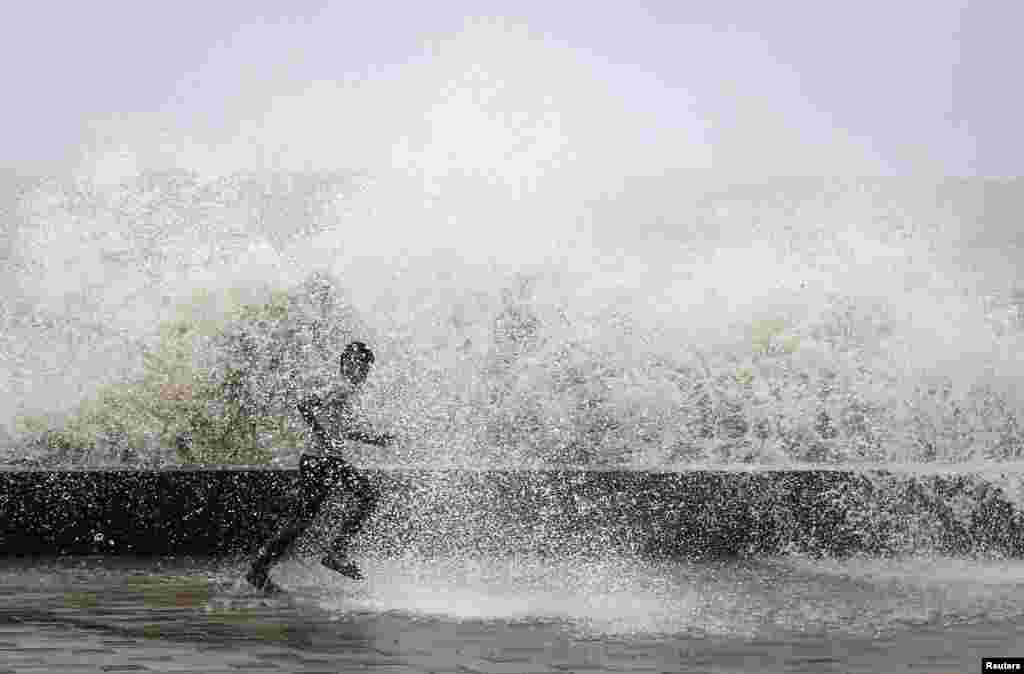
320	476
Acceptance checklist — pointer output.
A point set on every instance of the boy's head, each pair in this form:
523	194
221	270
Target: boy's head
355	362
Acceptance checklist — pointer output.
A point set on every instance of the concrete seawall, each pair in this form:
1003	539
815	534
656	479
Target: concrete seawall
693	514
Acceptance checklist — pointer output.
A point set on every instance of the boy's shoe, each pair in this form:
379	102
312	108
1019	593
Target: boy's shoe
345	567
259	579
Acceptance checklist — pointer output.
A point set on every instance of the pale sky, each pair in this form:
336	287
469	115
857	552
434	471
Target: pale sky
905	87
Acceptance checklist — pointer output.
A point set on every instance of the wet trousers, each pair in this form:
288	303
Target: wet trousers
323	478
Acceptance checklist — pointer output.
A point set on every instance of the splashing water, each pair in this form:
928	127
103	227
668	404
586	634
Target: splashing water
613	595
629	597
501	175
542	266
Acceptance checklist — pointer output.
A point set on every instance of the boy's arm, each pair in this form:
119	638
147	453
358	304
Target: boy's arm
380	440
313	401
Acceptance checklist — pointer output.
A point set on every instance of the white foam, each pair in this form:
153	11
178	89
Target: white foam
611	597
501	151
624	596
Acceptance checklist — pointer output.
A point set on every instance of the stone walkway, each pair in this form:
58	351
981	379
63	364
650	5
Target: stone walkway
37	646
37	636
58	616
107	616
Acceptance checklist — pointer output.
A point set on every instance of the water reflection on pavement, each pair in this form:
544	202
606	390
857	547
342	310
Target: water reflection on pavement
514	615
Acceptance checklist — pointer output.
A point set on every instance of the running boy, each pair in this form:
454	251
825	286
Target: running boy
322	472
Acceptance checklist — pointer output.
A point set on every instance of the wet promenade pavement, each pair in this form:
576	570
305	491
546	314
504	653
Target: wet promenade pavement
58	617
109	615
38	643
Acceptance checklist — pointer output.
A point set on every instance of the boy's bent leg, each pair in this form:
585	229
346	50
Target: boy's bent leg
313	489
271	552
358	507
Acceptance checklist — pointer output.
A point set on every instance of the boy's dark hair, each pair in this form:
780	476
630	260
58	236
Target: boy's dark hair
359	352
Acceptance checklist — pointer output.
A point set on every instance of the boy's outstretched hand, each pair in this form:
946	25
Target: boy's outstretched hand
379	440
